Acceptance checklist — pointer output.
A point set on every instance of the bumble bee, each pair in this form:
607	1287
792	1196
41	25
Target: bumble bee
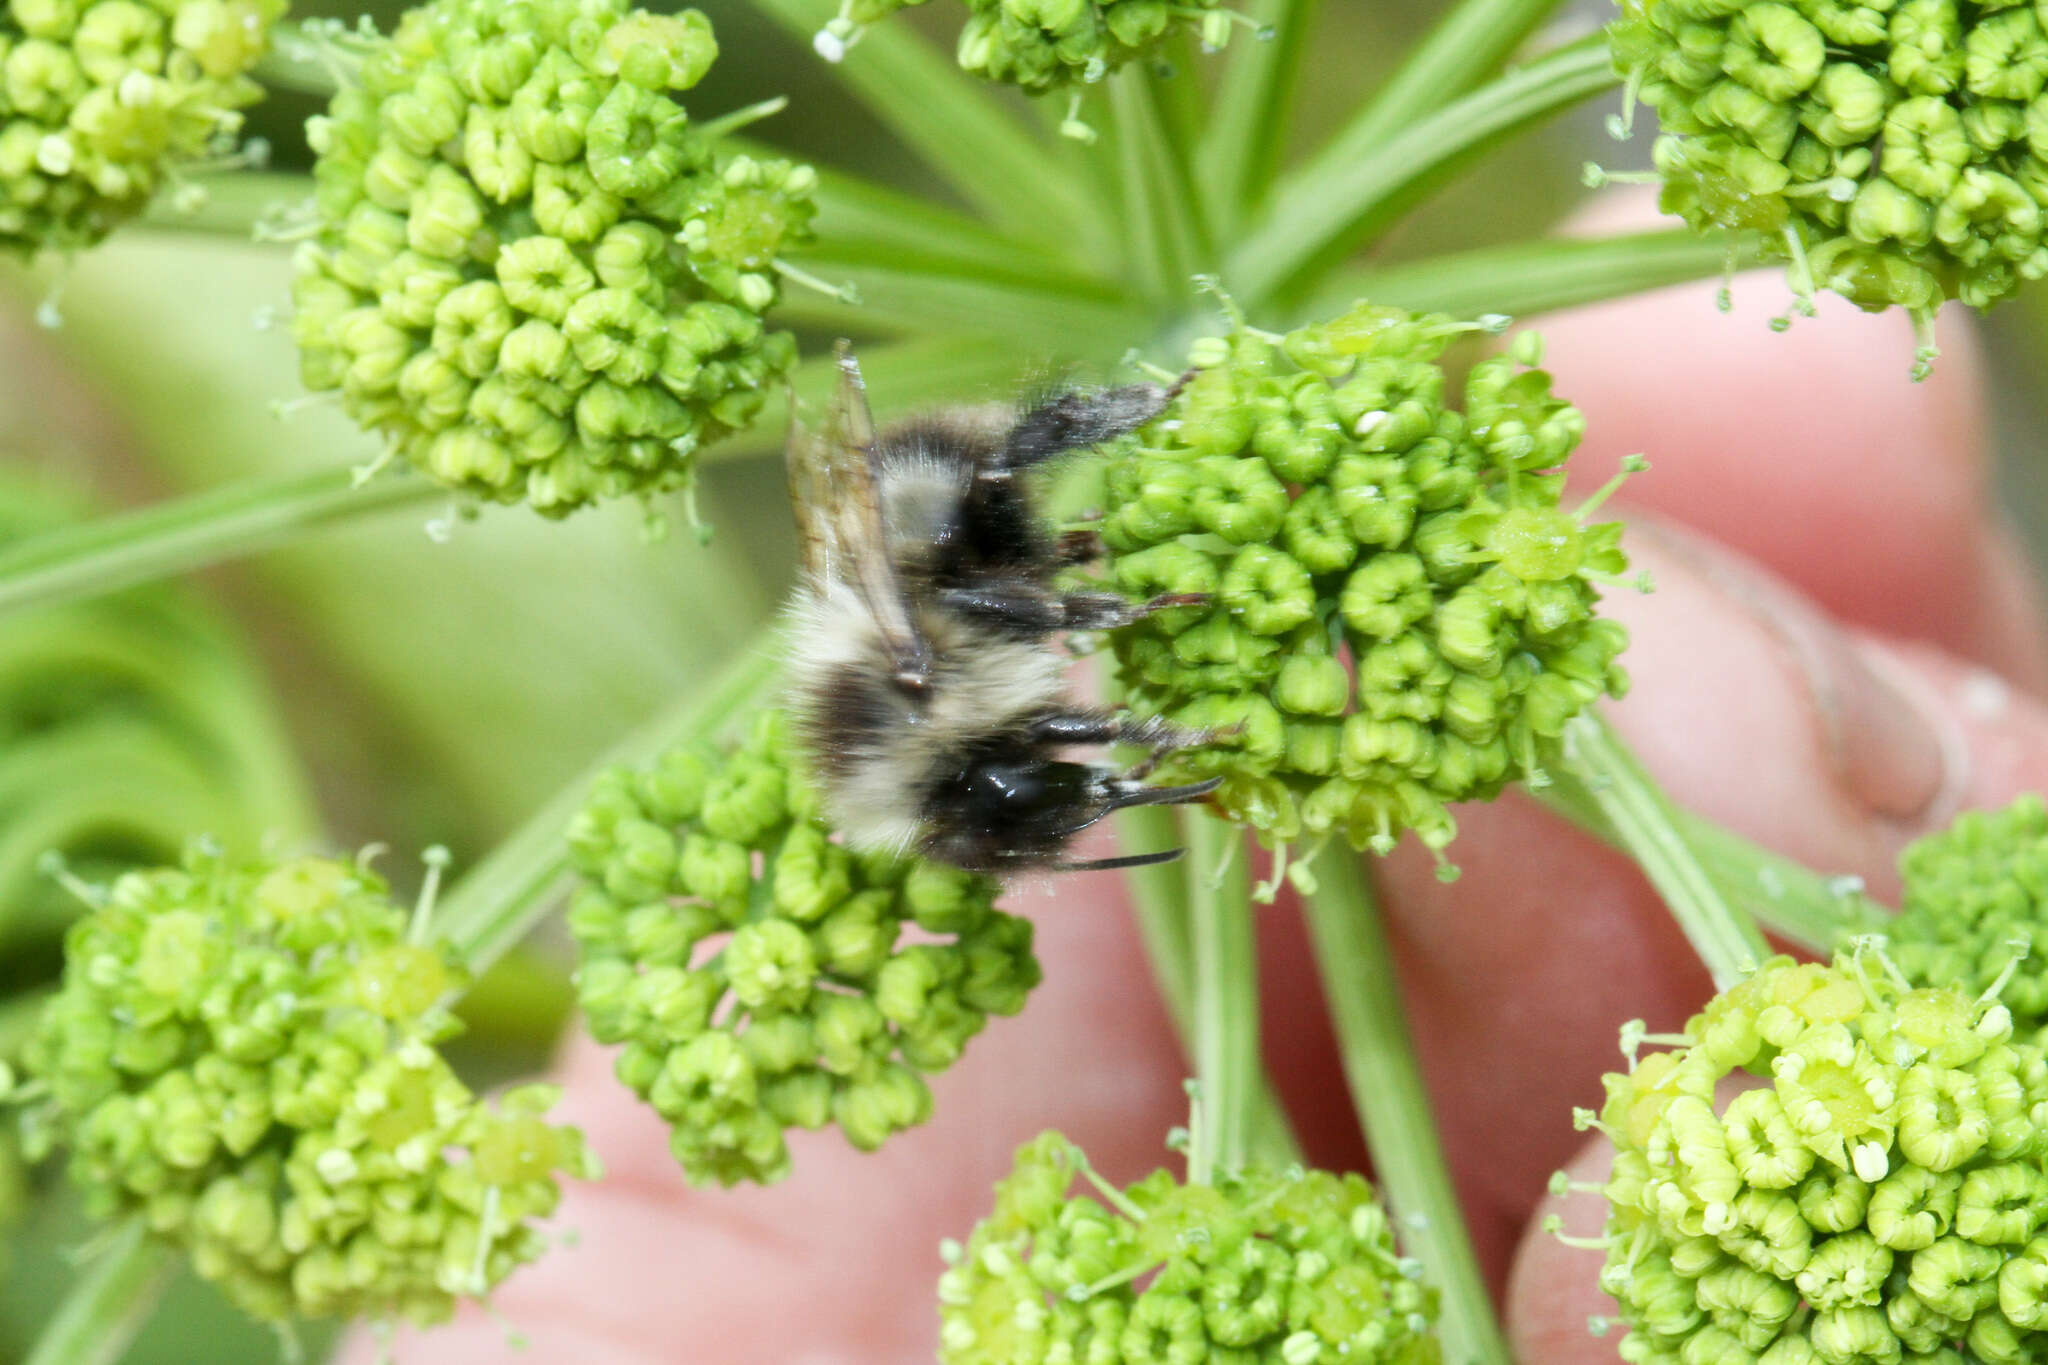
923	678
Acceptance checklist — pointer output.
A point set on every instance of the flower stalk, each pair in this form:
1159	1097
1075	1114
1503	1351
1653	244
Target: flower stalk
1648	827
1357	969
182	534
109	1303
1160	902
515	886
1226	1000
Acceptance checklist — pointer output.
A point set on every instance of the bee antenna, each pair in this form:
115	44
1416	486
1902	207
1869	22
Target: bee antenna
1164	855
1122	795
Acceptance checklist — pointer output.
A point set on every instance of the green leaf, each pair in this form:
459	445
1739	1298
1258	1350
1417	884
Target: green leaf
955	123
939	295
1247	127
860	220
181	534
1323	211
1526	278
1465	45
1169	242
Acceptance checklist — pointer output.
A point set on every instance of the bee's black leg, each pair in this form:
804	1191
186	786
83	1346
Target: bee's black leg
1020	606
1156	733
1074	421
1081	546
1027	608
1107	611
1077	727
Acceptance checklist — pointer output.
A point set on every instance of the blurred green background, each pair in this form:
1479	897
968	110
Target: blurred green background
378	685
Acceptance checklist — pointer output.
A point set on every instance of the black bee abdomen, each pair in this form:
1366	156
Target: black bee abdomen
847	716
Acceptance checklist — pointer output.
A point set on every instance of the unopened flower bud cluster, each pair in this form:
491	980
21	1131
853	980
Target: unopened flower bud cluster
534	275
1290	1266
1879	1196
102	100
758	975
1974	911
1893	151
1040	45
1324	493
243	1056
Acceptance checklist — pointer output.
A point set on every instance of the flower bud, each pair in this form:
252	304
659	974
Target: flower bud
1850	1208
278	1086
1865	143
1296	1265
512	186
822	1015
1321	491
101	104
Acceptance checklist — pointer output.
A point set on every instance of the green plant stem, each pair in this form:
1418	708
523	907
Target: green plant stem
1648	828
515	886
220	524
1357	969
1226	998
234	203
1169	241
190	532
109	1303
1534	277
1160	899
1810	910
1318	214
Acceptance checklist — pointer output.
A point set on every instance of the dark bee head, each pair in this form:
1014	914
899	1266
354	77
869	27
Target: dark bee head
1004	806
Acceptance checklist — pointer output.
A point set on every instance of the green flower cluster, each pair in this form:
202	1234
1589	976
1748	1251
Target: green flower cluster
1892	151
1291	1266
242	1055
752	968
533	275
1974	905
1038	45
1321	491
1879	1198
101	101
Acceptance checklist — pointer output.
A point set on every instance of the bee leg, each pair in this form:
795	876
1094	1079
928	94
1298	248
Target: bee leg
1107	611
1028	608
1077	727
1020	606
1074	421
1082	546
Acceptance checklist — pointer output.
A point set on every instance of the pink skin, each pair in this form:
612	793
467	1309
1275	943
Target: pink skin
1832	690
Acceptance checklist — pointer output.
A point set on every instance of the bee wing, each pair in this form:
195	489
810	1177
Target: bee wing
805	459
839	517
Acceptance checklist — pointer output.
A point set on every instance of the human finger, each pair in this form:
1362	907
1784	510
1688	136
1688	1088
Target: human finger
1810	452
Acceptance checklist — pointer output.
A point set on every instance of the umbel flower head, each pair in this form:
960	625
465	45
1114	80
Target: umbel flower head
243	1056
533	274
1401	615
1039	45
755	971
1879	1196
101	102
1973	905
1892	152
1296	1266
